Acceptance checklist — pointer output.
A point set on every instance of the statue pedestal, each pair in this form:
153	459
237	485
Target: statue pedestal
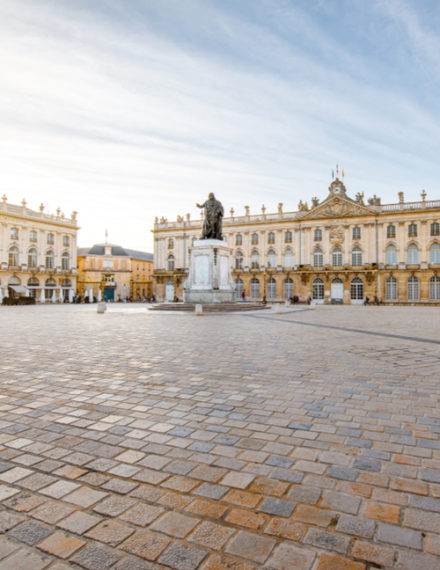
209	279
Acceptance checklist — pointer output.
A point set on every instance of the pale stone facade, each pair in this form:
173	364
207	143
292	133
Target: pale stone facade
37	253
340	250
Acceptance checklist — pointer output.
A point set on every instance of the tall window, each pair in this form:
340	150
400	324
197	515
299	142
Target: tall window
271	237
170	243
33	235
412	254
412	230
50	260
413	289
391	255
288	237
238	289
356	256
271	288
337	256
171	263
318	289
65	261
288	258
434	253
32	257
33	284
288	288
13	256
50	239
49	288
357	289
238	260
271	258
255	260
317	236
255	288
14	233
254	239
391	289
66	241
391	231
317	258
435	229
356	233
434	288
238	239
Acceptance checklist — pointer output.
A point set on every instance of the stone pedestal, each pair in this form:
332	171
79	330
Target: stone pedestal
209	279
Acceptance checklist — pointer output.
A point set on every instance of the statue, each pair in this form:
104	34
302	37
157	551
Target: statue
212	221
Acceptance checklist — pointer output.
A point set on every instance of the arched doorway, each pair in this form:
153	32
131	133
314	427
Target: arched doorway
318	291
357	291
337	291
271	288
169	290
238	289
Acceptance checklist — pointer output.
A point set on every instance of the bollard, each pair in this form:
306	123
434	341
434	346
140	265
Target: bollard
102	307
278	308
199	310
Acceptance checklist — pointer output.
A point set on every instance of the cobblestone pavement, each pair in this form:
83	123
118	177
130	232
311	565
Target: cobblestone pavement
307	440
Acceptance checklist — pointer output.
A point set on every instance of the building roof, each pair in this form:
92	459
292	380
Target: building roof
117	250
141	255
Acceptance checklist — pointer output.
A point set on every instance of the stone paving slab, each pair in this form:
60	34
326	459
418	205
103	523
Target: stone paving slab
303	440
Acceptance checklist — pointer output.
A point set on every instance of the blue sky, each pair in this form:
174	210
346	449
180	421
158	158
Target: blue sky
128	109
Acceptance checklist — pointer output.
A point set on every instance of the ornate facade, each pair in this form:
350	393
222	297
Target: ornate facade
341	250
37	253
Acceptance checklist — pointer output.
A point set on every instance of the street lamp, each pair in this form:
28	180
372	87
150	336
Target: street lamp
264	287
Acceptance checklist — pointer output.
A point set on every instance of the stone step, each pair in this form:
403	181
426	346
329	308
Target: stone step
209	307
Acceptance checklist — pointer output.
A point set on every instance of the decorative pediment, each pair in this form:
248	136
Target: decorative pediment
338	207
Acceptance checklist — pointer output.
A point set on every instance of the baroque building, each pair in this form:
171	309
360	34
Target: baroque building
112	273
37	253
341	250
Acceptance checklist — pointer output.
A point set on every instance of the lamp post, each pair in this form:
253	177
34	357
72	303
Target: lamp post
264	287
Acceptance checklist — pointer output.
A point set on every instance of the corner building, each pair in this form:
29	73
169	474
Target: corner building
337	251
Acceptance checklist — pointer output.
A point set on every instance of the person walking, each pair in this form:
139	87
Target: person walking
243	296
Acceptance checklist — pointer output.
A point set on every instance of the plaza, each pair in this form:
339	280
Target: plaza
307	439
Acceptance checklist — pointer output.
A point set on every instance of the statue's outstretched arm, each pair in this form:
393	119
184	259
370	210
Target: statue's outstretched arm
201	205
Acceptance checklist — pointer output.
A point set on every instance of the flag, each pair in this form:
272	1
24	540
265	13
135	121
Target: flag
337	170
333	174
342	173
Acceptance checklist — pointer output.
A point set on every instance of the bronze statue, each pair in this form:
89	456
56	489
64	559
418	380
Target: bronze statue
212	222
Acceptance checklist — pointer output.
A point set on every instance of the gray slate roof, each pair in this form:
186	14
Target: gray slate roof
99	249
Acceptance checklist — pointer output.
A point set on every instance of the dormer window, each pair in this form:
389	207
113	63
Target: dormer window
107	250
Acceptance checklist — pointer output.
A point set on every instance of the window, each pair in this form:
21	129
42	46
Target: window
271	237
271	258
288	237
108	263
288	288
50	238
317	235
357	289
238	289
66	241
255	288
13	256
318	289
356	233
49	288
288	258
254	239
412	255
171	263
238	239
50	260
65	261
170	243
391	255
391	231
238	260
356	256
434	253
317	258
412	230
271	288
33	284
413	289
32	257
391	289
255	260
337	256
435	229
14	233
108	278
33	235
434	288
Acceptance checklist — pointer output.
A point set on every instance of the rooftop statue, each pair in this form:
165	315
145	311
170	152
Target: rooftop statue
213	217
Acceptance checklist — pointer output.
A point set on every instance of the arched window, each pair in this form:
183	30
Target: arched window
271	288
170	243
14	281
49	288
337	256
288	237
255	288
32	257
66	283
412	254
318	289
50	259
238	239
66	241
171	263
356	256
391	289
434	253
13	256
254	239
317	258
434	288
65	261
317	236
238	260
413	289
271	258
255	260
33	285
288	288
288	258
271	237
391	255
33	235
391	231
356	233
412	230
357	289
238	289
50	238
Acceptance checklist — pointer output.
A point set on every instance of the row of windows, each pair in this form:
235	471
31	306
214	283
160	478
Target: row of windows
32	258
50	238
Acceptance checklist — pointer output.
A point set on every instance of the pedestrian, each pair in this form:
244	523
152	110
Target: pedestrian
243	296
309	300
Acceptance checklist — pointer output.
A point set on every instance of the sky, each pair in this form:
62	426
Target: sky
124	110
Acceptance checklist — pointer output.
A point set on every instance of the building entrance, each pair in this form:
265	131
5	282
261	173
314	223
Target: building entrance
337	291
169	291
109	293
